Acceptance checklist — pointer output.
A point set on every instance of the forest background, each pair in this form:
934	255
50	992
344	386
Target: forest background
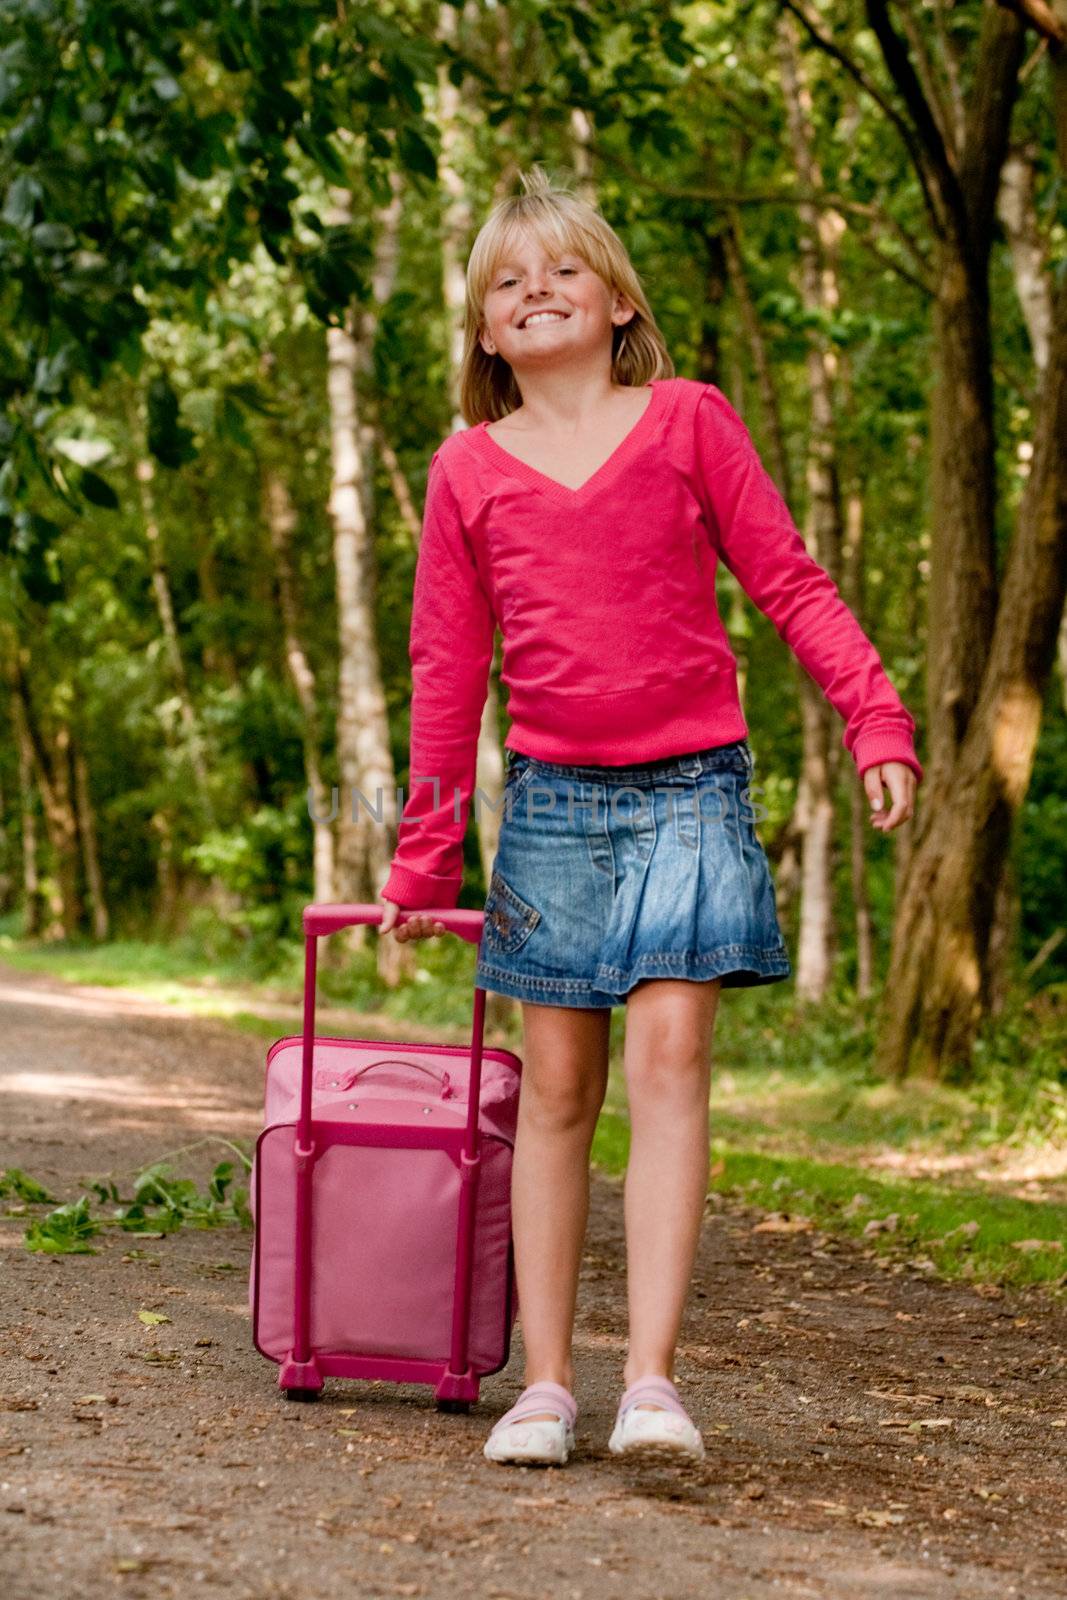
231	267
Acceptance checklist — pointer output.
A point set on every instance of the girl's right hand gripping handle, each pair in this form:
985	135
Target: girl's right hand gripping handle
323	919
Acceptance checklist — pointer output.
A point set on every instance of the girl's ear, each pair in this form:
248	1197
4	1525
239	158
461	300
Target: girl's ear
622	304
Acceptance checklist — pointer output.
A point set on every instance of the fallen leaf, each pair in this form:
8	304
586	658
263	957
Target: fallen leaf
878	1519
150	1318
886	1224
894	1394
782	1222
1029	1245
971	1391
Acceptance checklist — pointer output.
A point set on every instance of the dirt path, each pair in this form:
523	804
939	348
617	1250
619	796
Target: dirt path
803	1361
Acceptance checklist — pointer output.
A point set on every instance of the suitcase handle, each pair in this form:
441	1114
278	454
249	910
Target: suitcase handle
348	1079
325	918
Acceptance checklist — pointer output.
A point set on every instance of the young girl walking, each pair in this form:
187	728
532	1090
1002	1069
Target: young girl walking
584	511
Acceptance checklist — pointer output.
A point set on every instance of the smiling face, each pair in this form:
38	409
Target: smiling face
544	306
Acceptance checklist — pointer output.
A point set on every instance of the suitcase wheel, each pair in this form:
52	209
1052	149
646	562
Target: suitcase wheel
301	1394
454	1407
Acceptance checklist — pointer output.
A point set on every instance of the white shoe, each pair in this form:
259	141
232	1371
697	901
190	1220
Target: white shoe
542	1443
669	1433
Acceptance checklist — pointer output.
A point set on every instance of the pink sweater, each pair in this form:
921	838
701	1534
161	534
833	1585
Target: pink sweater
613	650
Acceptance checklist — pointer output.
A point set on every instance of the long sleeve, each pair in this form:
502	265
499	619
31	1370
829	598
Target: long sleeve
451	647
760	544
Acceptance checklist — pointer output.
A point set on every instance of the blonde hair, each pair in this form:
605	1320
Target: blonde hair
562	222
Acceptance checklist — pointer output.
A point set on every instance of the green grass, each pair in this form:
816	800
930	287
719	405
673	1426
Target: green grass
845	1199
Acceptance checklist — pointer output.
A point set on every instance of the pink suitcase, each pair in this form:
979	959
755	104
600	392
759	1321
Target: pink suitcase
381	1197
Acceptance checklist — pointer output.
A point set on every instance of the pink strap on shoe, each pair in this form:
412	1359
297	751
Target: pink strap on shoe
653	1391
539	1397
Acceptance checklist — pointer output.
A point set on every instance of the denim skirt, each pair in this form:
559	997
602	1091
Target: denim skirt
605	876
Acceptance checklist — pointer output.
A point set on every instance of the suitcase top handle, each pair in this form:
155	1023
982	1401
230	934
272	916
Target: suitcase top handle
327	1078
323	919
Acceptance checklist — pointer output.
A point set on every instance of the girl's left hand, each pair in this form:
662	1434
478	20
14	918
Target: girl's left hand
901	782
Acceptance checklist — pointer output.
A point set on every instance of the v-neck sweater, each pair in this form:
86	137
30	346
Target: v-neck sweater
613	649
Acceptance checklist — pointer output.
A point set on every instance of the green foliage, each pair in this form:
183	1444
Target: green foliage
161	1203
65	1231
262	862
14	1181
143	151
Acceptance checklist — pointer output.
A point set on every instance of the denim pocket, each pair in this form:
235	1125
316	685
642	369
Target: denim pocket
509	919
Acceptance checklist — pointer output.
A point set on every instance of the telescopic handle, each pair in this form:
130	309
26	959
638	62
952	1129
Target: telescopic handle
323	919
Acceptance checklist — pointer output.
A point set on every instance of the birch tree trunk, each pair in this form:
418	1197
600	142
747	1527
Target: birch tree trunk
456	235
852	592
366	833
786	850
50	758
7	877
94	878
145	472
819	230
280	518
31	888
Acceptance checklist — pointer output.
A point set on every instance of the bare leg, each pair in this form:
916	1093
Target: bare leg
669	1026
564	1080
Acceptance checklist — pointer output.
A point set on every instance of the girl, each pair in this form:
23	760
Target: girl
584	511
